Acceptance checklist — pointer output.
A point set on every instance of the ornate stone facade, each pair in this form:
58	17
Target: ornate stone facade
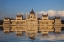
32	25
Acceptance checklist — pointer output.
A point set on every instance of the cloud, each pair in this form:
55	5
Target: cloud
60	13
1	12
53	13
42	12
20	13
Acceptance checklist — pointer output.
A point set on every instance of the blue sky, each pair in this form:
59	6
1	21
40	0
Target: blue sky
9	8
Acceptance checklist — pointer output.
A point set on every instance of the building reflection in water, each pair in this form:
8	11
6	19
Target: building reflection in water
32	25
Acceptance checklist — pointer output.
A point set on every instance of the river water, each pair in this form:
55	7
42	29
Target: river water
12	37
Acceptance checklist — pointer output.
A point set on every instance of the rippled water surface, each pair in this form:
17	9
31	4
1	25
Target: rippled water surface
11	37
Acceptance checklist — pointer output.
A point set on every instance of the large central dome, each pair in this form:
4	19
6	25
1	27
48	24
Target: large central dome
32	12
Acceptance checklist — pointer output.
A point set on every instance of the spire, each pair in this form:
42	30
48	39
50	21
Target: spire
32	9
26	15
32	12
36	15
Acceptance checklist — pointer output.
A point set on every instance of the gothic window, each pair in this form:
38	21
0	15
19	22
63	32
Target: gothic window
31	16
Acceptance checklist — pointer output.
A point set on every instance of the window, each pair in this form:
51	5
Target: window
31	16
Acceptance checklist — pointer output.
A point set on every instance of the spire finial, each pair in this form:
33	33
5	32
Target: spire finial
32	9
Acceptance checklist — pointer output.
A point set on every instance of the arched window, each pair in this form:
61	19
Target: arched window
31	16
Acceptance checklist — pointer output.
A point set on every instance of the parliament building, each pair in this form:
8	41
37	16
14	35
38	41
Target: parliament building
31	25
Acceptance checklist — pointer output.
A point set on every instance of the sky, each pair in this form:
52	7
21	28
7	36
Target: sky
9	8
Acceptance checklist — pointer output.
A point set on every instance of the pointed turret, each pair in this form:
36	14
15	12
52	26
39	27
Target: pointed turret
32	12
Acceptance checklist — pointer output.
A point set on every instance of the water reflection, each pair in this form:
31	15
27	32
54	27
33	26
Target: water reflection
11	37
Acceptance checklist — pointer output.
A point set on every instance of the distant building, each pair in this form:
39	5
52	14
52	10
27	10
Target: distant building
32	25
